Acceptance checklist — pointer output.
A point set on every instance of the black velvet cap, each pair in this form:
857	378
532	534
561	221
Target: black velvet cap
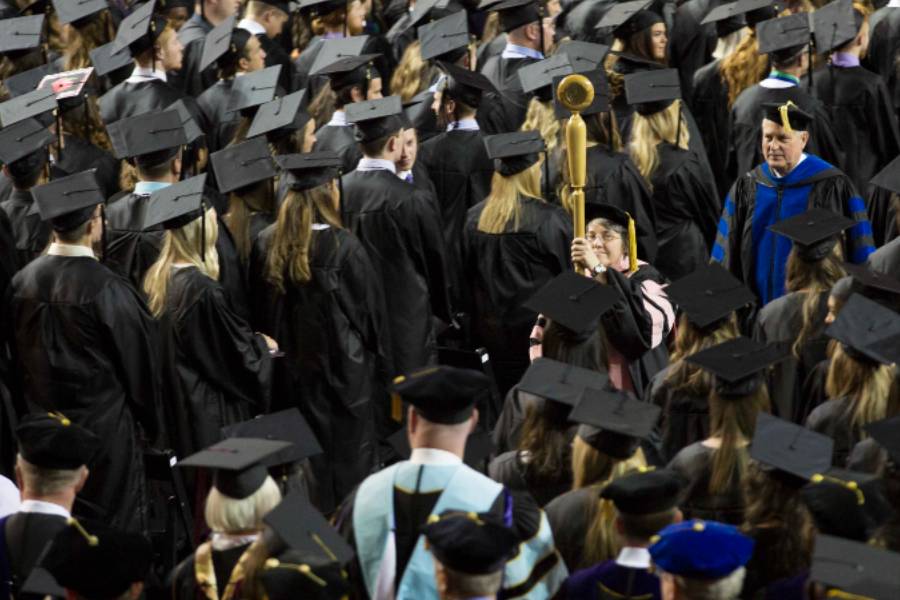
560	382
652	91
873	280
797	118
465	85
27	81
814	232
150	139
107	58
68	202
537	77
254	88
836	509
515	13
97	562
23	139
284	113
139	30
470	543
52	441
790	448
243	164
20	35
443	36
375	119
192	131
889	177
868	330
217	42
856	568
176	205
709	295
599	104
308	171
301	527
442	394
293	574
27	105
645	492
351	70
784	37
835	24
584	56
71	11
574	301
627	18
616	421
739	364
286	426
238	464
336	49
514	152
869	489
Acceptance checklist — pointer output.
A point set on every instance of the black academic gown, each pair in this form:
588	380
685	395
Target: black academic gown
503	73
508	429
884	49
887	258
513	471
687	210
684	418
190	79
339	138
206	573
710	105
27	535
86	345
570	515
79	155
695	463
217	121
881	211
506	269
832	418
133	99
691	44
31	235
400	228
864	119
332	331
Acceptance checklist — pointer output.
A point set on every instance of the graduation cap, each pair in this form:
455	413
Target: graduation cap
176	205
72	11
835	24
479	446
301	527
283	114
584	56
333	50
27	81
784	37
440	38
286	426
516	13
441	394
872	280
738	364
645	492
652	91
709	295
574	301
869	489
846	504
350	70
27	105
293	574
867	330
470	543
52	441
790	448
887	433
41	583
310	170
627	18
614	421
254	88
23	139
855	568
192	131
514	152
727	19
243	164
69	87
69	201
622	218
889	177
537	77
814	232
560	382
21	35
429	9
464	85
149	139
376	119
701	549
238	464
788	115
107	58
599	104
217	42
139	30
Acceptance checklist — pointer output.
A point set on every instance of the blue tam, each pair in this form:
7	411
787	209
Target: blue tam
701	549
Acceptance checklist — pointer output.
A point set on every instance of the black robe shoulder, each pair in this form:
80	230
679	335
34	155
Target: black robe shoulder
884	48
132	99
218	123
30	234
887	258
832	418
684	418
694	463
570	516
129	249
512	469
503	73
339	138
710	105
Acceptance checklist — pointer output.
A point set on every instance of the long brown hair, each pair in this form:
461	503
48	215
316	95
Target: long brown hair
743	67
868	386
93	34
545	440
811	279
241	206
733	419
503	204
413	74
288	254
684	377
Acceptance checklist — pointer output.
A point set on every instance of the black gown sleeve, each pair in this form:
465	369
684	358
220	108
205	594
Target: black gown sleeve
628	325
689	186
430	256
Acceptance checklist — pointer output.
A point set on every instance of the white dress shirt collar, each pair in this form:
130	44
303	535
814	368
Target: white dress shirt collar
893	4
142	74
433	456
338	119
251	26
44	508
72	250
634	558
464	125
376	164
514	51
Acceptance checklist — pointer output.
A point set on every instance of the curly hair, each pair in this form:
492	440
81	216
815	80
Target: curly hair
744	67
413	74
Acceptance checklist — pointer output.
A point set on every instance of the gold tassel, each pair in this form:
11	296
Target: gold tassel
785	120
850	485
632	246
91	539
63	420
274	563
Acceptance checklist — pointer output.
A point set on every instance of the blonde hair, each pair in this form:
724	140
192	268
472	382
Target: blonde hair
182	245
647	132
866	385
242	203
148	56
41	481
690	339
288	254
734	420
503	203
542	118
811	279
225	514
744	67
413	74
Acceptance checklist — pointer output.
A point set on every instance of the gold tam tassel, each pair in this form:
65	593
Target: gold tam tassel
785	120
632	246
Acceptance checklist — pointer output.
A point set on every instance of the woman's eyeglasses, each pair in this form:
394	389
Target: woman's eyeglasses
606	236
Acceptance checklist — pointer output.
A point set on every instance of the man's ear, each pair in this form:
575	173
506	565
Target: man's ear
804	137
356	94
85	472
473	420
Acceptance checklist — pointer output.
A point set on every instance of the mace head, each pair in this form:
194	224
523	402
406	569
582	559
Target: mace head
575	92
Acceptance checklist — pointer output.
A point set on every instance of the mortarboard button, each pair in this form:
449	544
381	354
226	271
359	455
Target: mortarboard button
584	56
52	441
301	527
375	119
217	42
574	301
652	91
293	574
140	29
237	463
350	71
628	18
868	330
815	232
441	394
514	152
282	113
68	202
192	131
22	139
336	49
701	549
151	138
790	448
176	205
27	105
286	426
560	382
515	13
536	76
645	492
21	34
617	411
855	567
308	171
242	165
254	88
470	543
785	35
443	36
69	11
738	364
835	24
709	295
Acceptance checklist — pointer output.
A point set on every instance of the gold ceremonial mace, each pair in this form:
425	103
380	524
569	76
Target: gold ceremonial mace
576	93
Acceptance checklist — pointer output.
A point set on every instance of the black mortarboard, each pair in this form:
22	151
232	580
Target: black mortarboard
645	492
709	295
627	18
102	563
872	280
217	42
430	10
442	394
788	115
857	568
243	164
317	8
301	527
584	56
41	583
192	131
537	77
887	433
69	87
784	37
790	448
293	574
376	119
443	36
652	91
889	177
23	139
238	464
336	49
574	301
514	152
308	171
738	364
350	70
107	58
868	330
68	202
70	11
286	426
465	85
254	88
515	13
20	35
27	81
139	30
757	11
470	543
614	421
27	105
723	12
150	139
284	114
560	382
52	441
599	104
814	232
835	24
479	446
176	205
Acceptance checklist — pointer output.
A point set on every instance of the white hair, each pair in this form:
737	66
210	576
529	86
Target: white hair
46	482
225	514
726	588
